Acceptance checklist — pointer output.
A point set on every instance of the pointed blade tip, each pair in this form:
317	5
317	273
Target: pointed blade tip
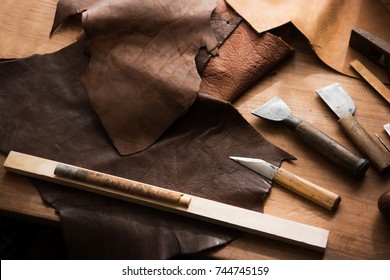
238	159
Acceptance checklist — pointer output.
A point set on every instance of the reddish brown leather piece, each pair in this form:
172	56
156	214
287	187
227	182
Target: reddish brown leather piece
242	60
51	117
223	22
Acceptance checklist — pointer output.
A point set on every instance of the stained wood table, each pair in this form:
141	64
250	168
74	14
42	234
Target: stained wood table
357	230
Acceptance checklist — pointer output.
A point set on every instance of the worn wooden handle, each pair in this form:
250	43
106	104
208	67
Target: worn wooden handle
321	196
331	149
121	184
380	159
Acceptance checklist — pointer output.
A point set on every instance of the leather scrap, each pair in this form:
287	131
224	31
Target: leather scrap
327	24
224	21
242	60
136	113
51	117
68	8
136	41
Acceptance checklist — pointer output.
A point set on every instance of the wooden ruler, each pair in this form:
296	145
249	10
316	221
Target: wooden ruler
370	78
183	204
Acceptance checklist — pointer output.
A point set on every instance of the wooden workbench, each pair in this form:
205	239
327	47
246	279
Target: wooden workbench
357	230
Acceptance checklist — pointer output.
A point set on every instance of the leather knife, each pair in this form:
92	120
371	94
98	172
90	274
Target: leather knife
317	194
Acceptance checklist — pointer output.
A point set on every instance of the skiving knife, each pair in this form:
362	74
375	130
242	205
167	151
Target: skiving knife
278	111
344	107
319	195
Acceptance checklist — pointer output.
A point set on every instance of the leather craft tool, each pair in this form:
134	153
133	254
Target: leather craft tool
319	195
277	110
344	107
387	128
194	207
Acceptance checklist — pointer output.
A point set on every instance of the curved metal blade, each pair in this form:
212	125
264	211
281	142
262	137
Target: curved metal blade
260	166
337	99
274	110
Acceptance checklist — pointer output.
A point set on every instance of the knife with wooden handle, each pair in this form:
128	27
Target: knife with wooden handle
317	194
344	107
278	111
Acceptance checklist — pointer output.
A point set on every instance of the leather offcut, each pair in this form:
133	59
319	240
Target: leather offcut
242	60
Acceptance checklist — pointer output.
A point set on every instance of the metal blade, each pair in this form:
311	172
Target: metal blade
274	110
387	128
260	166
337	99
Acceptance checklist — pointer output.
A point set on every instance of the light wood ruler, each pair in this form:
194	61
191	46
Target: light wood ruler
194	207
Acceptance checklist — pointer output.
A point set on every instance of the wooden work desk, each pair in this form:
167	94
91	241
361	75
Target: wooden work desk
357	230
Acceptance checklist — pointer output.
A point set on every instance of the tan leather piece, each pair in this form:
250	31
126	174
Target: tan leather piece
143	57
242	59
327	24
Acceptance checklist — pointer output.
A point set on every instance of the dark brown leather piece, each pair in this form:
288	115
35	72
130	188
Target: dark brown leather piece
51	117
242	60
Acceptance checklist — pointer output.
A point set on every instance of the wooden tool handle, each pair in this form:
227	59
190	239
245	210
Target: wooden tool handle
331	149
121	184
321	196
379	158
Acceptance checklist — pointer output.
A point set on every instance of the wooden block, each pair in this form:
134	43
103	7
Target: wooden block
198	208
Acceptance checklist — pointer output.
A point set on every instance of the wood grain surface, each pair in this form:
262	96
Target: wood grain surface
357	230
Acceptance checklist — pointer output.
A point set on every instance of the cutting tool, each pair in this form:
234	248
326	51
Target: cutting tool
344	107
317	194
278	111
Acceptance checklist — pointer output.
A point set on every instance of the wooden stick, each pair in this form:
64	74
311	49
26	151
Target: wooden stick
371	79
199	208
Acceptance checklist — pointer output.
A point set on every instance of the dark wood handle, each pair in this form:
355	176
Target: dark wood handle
331	149
380	159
